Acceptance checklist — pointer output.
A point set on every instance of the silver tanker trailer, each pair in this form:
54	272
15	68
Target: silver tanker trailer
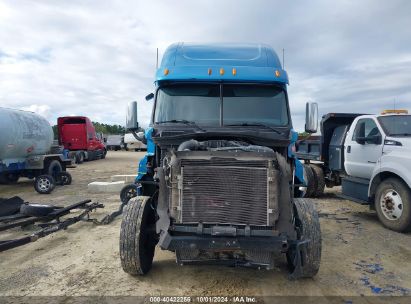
26	150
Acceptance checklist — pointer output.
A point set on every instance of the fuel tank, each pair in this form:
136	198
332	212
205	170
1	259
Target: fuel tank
22	134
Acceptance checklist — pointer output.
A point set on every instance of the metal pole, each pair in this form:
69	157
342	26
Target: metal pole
157	60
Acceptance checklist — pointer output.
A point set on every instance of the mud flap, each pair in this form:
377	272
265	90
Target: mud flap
298	262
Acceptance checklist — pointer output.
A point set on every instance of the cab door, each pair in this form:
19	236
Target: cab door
363	148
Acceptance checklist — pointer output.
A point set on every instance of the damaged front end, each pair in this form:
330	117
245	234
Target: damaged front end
220	201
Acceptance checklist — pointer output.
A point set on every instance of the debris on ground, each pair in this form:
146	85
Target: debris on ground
48	218
374	269
370	268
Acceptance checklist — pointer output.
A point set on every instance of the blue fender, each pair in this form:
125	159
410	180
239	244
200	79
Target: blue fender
142	166
151	148
299	168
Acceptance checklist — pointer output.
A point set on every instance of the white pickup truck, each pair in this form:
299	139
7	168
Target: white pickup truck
132	143
370	156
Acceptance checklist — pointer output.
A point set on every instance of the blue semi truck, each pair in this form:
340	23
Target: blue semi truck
219	181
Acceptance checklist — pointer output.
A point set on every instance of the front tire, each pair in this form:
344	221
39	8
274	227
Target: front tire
137	236
393	205
307	224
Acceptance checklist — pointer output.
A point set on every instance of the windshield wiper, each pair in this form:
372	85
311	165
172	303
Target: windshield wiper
254	124
182	121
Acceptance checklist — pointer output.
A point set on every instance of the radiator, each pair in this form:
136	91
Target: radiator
224	192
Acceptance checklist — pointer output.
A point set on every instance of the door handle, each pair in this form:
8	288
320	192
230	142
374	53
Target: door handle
348	149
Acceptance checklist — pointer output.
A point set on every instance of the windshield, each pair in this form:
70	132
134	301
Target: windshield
396	125
198	103
231	104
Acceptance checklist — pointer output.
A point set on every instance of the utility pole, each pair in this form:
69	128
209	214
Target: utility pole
157	60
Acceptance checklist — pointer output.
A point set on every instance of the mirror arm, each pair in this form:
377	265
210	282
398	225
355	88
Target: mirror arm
150	96
142	139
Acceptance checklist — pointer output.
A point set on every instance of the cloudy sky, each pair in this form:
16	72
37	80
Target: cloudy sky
92	57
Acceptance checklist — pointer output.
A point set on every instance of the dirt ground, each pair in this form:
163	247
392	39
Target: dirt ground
359	256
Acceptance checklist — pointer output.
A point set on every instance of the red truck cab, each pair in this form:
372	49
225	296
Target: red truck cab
78	135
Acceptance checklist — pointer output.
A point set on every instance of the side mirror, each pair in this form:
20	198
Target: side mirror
311	117
377	139
373	139
149	96
360	140
131	118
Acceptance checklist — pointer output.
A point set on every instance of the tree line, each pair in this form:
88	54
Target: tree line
106	129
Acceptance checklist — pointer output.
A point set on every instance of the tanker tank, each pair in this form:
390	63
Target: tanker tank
23	134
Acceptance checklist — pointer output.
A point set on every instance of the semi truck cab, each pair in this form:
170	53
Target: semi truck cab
78	135
218	179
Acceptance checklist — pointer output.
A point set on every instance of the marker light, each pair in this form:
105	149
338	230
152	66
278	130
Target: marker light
221	71
234	71
209	71
394	112
277	73
166	71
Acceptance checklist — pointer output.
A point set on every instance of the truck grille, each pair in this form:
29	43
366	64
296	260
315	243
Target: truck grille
219	192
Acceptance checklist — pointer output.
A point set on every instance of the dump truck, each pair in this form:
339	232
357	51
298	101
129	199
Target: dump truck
218	180
370	157
78	135
26	150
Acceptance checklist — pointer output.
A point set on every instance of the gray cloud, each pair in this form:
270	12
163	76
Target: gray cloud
91	58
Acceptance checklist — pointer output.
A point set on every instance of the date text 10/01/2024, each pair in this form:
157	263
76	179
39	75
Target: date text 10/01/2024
203	299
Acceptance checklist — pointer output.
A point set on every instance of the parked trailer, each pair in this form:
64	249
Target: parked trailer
370	157
78	135
217	182
115	142
26	151
132	143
